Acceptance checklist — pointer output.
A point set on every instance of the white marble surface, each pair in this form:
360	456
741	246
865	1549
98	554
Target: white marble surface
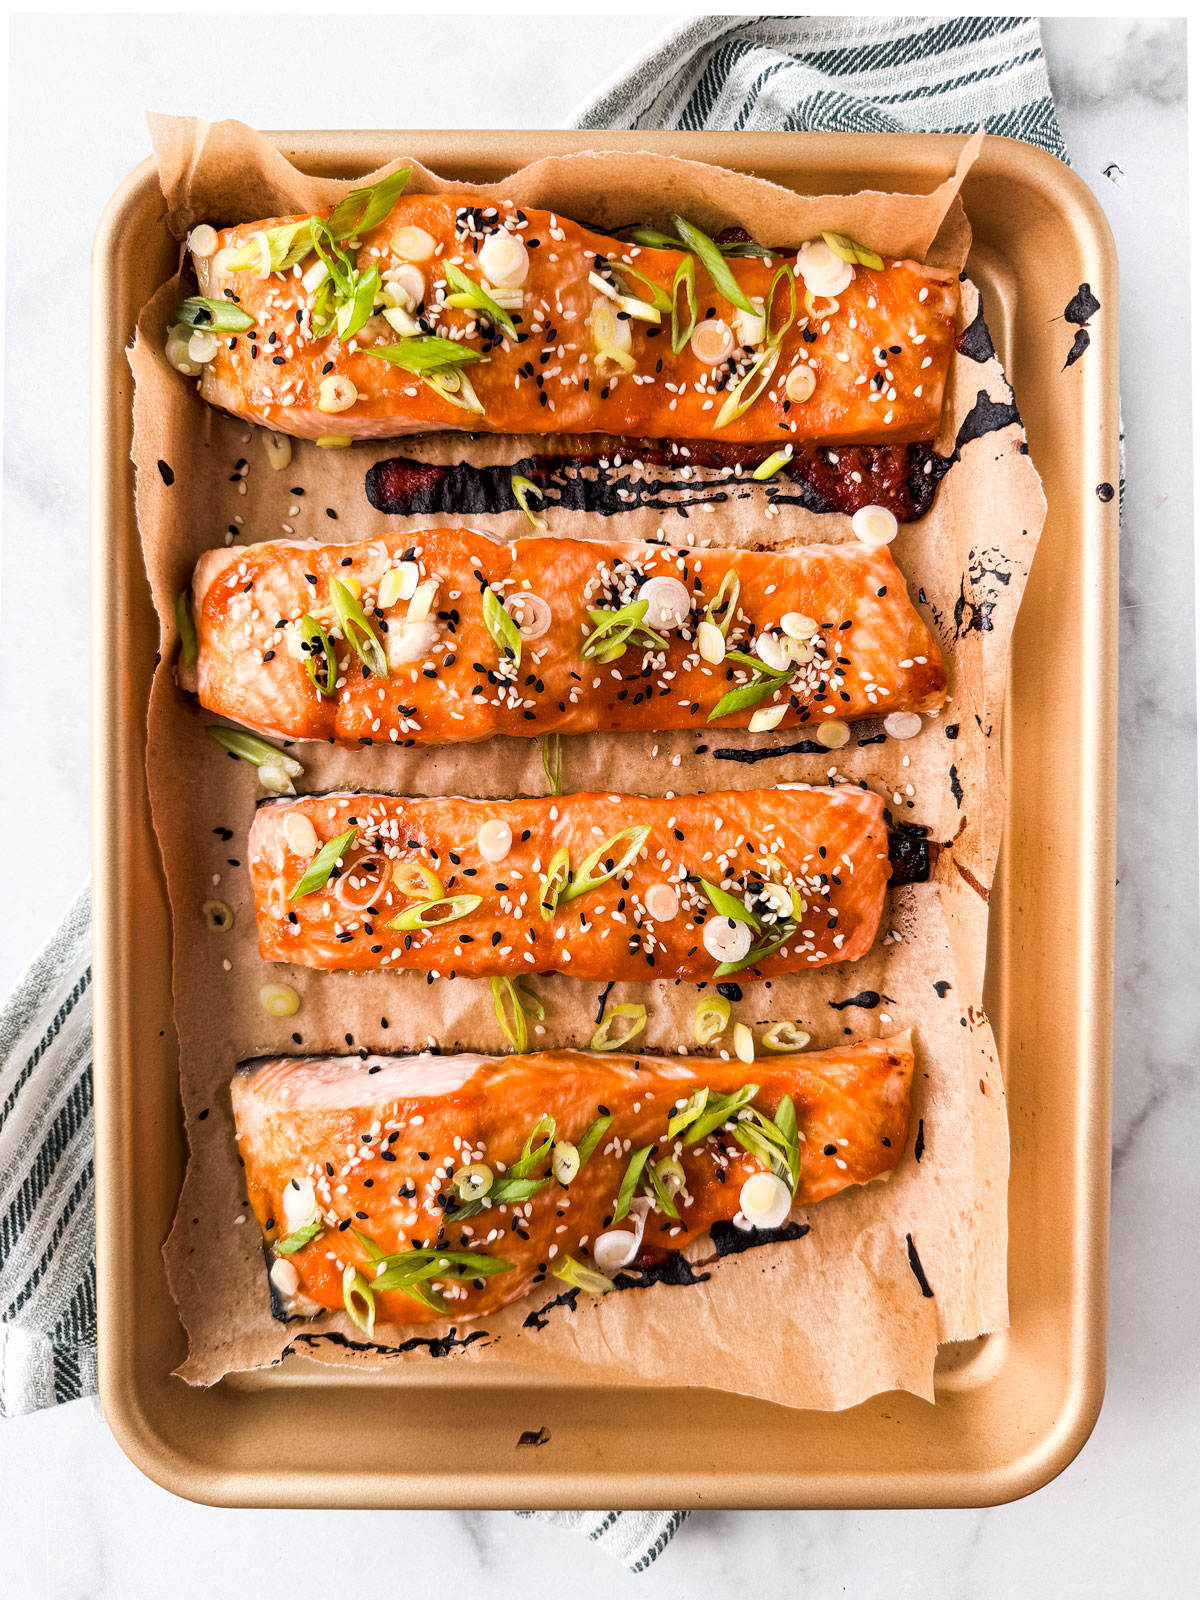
77	1522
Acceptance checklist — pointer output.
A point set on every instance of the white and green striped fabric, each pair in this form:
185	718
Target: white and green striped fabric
845	74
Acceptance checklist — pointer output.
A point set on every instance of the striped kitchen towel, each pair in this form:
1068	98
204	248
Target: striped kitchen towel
848	74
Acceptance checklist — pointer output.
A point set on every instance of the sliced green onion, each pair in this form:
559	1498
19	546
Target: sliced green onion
364	209
323	863
711	1019
728	905
416	881
189	647
785	1036
744	247
375	1252
279	1000
662	1195
318	642
671	1175
850	250
410	1270
592	1136
784	275
287	245
534	1154
757	953
473	1182
302	1236
557	877
613	630
764	682
470	295
601	1039
355	311
773	464
249	747
582	881
747	390
213	316
715	264
654	240
718	1109
785	1122
433	913
684	1118
726	596
685	274
426	353
356	630
629	1183
568	1270
453	387
523	1004
359	1301
564	1162
512	1191
548	742
506	636
522	488
659	298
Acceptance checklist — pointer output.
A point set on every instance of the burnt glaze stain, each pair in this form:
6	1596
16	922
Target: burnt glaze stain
582	476
952	730
730	991
538	1319
436	1347
867	999
918	1270
919	1147
1082	339
941	988
805	747
605	992
971	614
956	788
1082	306
166	473
676	1272
1105	492
911	853
975	342
730	1241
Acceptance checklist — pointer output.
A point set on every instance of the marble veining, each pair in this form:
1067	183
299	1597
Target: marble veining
77	1520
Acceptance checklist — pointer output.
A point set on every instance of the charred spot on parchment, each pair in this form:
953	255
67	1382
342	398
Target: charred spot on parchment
437	1347
608	477
166	473
676	1271
538	1319
918	1270
988	571
941	988
868	999
911	853
919	1147
975	342
730	1241
956	788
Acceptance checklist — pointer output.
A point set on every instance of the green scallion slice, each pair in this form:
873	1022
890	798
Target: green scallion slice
558	875
322	673
717	1110
355	311
425	353
552	765
287	244
509	992
533	1153
359	1301
728	905
471	296
602	1038
364	209
715	264
685	275
585	880
850	250
570	1271
749	387
593	1134
659	1191
775	336
785	1036
433	913
249	747
322	864
687	1115
726	598
356	630
757	953
213	316
522	488
711	1018
774	463
659	298
189	646
629	1183
613	630
653	239
302	1236
506	636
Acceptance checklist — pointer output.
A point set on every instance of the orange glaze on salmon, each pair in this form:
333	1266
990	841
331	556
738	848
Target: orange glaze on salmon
360	1158
807	868
878	351
855	647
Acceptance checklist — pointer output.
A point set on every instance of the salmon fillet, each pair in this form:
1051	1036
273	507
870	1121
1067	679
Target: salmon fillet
878	351
857	647
796	879
354	1167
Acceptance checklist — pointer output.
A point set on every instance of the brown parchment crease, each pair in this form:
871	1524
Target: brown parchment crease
821	1322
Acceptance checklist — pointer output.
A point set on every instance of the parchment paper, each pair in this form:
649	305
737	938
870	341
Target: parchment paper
859	1303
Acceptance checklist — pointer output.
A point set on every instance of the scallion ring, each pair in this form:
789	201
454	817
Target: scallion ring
505	634
522	488
699	243
249	747
416	881
466	294
725	602
571	1272
583	880
711	1019
359	1300
217	915
213	316
433	913
631	1019
775	338
319	868
558	875
783	1036
315	643
189	647
473	1182
747	390
564	1162
685	275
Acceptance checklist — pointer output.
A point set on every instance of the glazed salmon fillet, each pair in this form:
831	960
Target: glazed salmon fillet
458	636
579	336
408	1188
604	887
